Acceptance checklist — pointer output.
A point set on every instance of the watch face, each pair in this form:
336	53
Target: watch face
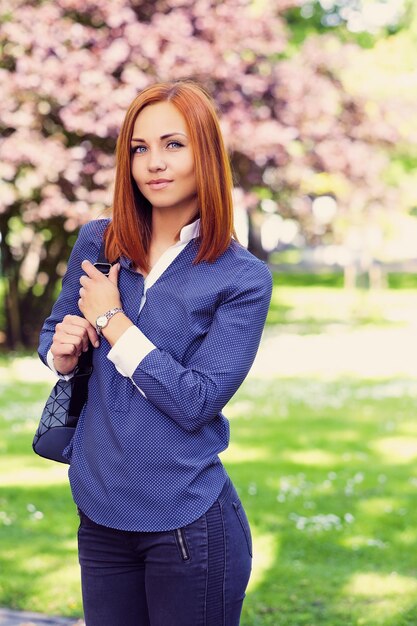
101	321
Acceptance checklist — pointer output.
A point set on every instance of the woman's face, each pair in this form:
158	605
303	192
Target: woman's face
162	158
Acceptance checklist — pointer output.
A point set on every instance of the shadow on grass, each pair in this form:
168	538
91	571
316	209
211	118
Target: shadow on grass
327	473
38	520
331	496
38	550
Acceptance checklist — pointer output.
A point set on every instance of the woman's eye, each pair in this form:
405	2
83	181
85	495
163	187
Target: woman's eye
174	144
138	149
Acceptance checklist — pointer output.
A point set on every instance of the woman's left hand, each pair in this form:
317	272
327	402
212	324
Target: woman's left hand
98	293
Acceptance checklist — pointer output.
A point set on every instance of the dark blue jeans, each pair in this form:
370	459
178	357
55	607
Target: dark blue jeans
191	576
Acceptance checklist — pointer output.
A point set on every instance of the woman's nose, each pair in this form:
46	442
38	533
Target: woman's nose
156	162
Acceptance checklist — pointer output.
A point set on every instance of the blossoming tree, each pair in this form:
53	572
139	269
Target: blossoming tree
69	69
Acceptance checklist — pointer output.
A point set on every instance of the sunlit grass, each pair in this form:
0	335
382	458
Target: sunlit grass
327	502
304	308
380	598
398	449
320	458
31	475
336	502
265	550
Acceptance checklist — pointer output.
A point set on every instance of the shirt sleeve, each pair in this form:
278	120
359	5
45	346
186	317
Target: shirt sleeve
129	350
193	393
51	365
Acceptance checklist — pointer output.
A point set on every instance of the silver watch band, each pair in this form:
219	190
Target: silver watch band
102	320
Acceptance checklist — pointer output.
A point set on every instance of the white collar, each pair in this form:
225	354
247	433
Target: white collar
190	231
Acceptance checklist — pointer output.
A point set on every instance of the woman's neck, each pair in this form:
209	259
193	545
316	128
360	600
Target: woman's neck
166	227
167	224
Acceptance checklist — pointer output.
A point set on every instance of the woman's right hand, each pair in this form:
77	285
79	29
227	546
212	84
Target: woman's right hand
70	339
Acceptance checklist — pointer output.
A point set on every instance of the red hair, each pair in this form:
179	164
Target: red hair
129	232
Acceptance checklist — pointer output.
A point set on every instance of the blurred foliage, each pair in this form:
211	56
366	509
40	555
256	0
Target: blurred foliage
359	21
296	119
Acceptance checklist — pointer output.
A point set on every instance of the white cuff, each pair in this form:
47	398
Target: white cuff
50	362
129	350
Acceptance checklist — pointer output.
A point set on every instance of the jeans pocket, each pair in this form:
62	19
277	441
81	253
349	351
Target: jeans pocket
182	544
241	515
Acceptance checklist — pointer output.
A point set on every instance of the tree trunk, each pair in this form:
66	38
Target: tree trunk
254	240
24	311
9	272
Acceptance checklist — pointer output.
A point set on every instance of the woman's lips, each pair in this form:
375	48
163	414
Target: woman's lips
159	184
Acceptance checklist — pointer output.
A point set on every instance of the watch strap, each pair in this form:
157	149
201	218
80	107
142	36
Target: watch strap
108	315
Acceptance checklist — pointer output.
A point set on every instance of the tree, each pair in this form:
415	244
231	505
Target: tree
70	68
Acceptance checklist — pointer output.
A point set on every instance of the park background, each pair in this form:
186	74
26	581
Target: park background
317	101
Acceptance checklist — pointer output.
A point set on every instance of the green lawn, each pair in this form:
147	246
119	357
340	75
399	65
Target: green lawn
328	474
326	468
311	309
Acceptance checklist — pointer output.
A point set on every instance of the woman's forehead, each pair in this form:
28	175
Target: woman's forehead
161	118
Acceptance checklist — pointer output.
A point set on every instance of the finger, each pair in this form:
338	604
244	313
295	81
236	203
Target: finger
71	328
90	270
93	337
75	325
65	351
72	347
61	350
72	335
75	320
114	274
68	332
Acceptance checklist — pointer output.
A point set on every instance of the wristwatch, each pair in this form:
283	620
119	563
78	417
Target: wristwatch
103	320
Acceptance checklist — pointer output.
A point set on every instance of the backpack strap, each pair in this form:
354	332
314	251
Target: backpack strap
102	264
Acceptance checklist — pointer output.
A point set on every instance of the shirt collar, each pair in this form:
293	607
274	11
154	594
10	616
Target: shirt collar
190	231
187	233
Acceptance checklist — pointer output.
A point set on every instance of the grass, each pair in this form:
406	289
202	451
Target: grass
299	278
326	468
328	475
312	308
37	517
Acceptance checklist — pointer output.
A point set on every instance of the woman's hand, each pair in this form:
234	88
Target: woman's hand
70	340
98	293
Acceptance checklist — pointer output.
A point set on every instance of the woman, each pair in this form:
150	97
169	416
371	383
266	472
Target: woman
163	537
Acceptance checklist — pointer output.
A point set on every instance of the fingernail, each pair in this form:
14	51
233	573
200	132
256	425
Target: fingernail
97	344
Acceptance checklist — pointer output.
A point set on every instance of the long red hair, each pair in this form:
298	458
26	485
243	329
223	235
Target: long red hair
129	231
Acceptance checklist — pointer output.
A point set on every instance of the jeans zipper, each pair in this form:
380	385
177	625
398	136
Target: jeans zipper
181	543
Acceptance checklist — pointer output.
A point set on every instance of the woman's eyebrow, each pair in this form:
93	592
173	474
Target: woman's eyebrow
161	137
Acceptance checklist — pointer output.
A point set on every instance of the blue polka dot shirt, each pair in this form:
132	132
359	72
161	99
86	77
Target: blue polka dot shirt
145	453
